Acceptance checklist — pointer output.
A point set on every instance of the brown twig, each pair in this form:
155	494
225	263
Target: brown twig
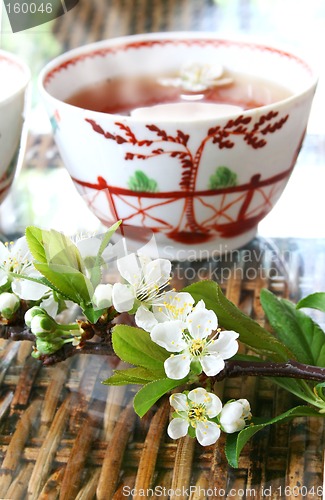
289	369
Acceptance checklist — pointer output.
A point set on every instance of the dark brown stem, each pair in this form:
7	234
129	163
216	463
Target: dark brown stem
69	350
16	333
289	369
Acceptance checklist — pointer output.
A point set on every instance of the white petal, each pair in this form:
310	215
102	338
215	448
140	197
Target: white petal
181	305
198	395
212	364
88	247
123	297
129	269
226	344
212	71
20	249
157	272
3	277
4	252
201	323
214	407
231	412
177	428
28	290
145	319
179	401
177	367
246	407
103	295
169	336
50	305
207	433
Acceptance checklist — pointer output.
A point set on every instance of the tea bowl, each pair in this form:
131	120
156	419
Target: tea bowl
199	176
14	80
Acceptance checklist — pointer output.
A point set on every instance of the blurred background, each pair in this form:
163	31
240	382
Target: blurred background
43	193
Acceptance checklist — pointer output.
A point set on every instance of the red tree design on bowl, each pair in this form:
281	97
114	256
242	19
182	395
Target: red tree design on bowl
227	209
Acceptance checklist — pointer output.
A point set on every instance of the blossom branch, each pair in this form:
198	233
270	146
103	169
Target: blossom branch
290	369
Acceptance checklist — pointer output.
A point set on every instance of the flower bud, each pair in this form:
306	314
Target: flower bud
9	304
44	347
33	311
102	297
234	414
41	325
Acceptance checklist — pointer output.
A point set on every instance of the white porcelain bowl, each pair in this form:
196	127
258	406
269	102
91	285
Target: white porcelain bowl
14	79
196	180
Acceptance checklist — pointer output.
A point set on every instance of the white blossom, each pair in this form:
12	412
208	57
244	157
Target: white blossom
234	415
196	409
186	332
16	258
146	279
196	77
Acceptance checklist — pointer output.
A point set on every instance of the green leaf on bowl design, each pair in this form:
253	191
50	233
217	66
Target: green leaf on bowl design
141	182
222	178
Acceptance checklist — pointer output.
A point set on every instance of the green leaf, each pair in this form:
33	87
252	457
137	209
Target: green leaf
295	329
53	247
135	346
231	318
137	375
150	393
236	442
107	237
313	301
34	238
222	178
95	271
71	283
92	314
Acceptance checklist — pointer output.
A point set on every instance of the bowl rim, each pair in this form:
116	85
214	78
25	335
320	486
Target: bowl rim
69	56
26	74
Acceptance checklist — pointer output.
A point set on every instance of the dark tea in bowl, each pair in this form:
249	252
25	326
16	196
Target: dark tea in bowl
186	136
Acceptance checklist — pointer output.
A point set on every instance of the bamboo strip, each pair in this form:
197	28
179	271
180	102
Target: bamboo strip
218	474
296	458
18	487
202	486
163	484
25	384
113	409
150	449
89	489
114	454
5	405
88	431
52	395
7	359
25	349
183	465
126	485
48	449
51	488
16	446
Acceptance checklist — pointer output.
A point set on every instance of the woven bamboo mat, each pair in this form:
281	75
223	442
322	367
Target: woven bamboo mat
65	435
